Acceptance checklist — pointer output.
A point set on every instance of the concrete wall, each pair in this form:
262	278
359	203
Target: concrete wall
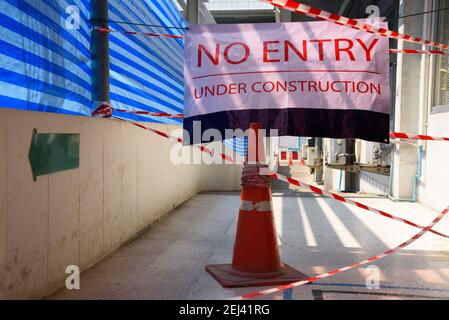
374	183
434	184
433	189
125	182
415	113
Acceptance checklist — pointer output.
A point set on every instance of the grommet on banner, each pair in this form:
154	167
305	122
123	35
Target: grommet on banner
398	135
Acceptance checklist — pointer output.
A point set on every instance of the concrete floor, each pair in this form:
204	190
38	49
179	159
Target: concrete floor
316	234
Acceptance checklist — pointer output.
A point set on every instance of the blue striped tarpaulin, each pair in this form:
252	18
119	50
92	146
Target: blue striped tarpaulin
44	65
238	145
147	72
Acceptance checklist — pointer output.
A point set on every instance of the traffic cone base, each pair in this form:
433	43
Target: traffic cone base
228	277
258	275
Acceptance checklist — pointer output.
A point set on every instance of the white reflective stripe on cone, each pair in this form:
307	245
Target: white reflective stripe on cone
246	205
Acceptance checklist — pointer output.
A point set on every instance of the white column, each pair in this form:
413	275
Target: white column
407	103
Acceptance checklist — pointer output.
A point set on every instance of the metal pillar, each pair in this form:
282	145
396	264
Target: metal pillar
100	51
193	11
350	177
282	15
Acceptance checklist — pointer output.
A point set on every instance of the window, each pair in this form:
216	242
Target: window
441	94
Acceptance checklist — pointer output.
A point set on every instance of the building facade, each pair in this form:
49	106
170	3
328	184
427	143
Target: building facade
419	170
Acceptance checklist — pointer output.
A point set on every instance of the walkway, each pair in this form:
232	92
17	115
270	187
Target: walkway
316	235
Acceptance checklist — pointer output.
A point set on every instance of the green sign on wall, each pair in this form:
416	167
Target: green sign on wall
53	152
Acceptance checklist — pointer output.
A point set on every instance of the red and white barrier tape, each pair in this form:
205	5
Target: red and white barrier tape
349	267
412	51
393	51
349	201
402	135
335	18
287	179
322	192
105	110
162	134
204	149
153	114
147	34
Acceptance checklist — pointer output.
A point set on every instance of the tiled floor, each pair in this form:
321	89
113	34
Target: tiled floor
316	234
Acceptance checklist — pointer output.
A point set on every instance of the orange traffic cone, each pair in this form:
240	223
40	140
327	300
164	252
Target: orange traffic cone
256	259
278	164
290	161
